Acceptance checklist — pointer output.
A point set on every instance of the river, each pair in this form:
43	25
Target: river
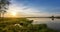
51	23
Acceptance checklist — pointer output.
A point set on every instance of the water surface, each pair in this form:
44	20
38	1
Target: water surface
54	24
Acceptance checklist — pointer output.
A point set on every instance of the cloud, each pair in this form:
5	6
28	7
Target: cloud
29	11
26	11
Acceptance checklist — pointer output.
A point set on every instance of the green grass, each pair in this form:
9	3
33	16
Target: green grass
25	25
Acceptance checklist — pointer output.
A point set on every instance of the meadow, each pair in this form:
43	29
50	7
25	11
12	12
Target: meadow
22	25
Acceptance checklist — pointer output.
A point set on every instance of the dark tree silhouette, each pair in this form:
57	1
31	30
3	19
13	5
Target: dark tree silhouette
3	7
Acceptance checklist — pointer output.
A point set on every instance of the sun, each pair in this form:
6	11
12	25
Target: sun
13	13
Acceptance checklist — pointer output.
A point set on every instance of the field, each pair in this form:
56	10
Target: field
22	25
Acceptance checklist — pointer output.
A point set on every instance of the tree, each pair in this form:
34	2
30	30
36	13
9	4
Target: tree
3	6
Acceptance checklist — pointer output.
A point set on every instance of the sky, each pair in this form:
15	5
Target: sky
34	8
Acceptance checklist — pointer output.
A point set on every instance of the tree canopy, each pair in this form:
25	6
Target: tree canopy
4	6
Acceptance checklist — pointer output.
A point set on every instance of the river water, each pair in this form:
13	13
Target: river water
51	23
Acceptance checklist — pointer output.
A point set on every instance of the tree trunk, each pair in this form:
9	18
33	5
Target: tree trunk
0	15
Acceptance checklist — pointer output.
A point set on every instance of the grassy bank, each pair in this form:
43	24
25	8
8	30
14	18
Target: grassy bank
22	25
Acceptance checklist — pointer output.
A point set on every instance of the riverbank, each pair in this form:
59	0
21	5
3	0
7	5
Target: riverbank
22	25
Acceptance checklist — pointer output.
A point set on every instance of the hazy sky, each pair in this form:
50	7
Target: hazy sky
35	7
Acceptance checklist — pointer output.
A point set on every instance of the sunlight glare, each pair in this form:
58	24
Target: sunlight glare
13	13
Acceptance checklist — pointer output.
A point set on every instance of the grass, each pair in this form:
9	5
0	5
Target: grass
22	25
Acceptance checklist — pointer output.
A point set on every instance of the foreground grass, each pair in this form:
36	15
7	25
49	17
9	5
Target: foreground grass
22	25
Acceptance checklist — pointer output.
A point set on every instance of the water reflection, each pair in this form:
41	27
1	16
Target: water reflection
52	18
53	23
